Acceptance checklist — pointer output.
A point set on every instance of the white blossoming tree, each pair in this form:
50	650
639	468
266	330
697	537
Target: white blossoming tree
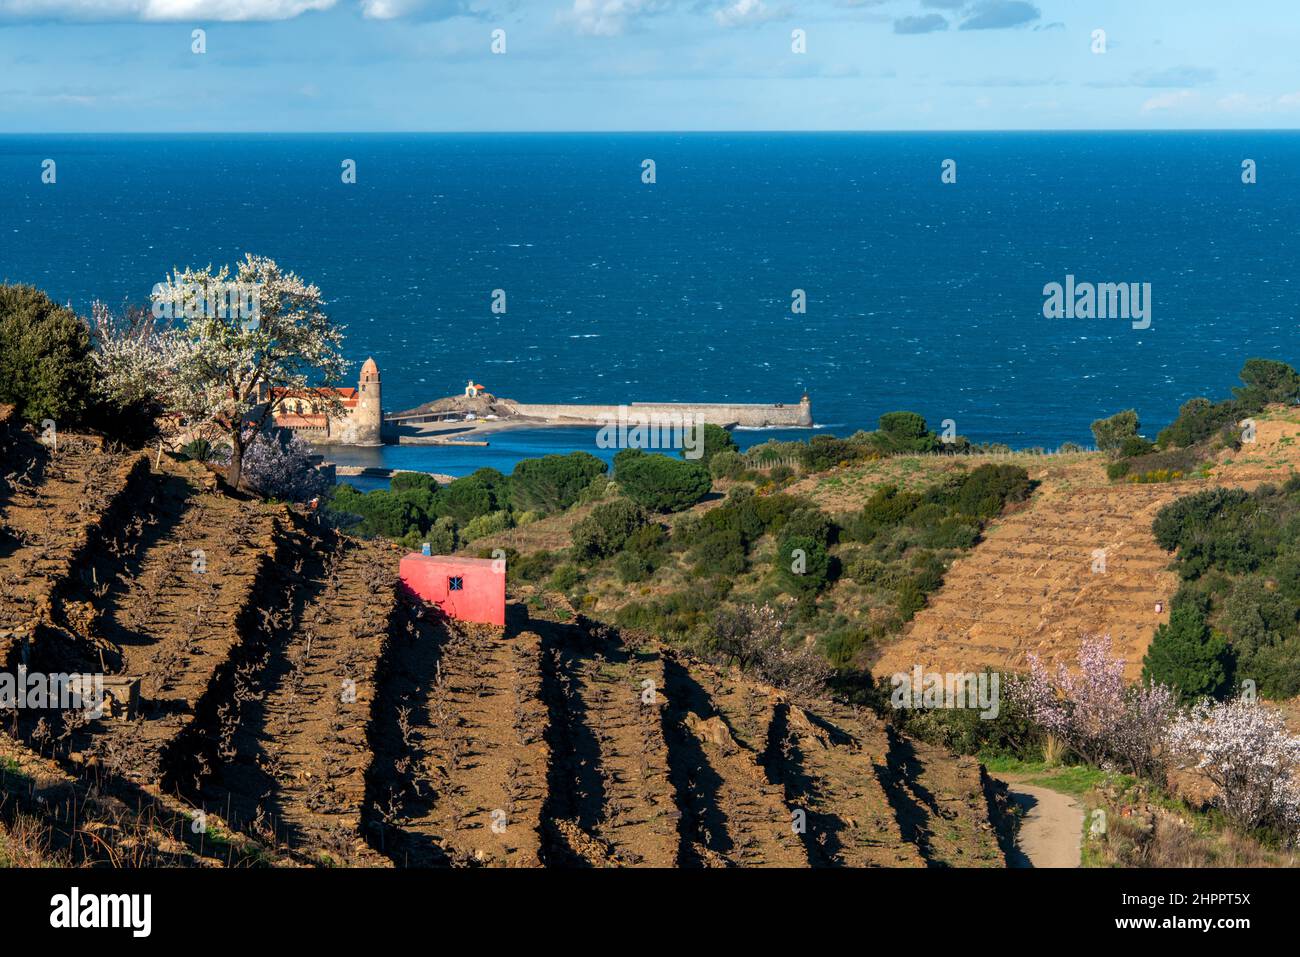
218	368
135	356
1244	748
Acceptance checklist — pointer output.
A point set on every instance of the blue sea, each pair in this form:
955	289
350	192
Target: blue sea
920	295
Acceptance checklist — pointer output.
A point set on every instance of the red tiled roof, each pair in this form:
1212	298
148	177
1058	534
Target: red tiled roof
348	397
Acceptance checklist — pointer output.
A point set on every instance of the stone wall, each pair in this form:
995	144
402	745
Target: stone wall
753	415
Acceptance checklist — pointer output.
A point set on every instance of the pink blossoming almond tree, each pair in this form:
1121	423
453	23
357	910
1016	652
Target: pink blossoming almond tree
1094	713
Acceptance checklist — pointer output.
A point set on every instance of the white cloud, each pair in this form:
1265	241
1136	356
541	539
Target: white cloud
1167	101
161	10
1248	103
388	9
423	9
608	18
742	12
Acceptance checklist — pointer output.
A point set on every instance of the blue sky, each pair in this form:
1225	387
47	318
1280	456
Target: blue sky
359	65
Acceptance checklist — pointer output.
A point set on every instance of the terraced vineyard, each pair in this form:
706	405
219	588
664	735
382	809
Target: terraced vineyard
1086	564
1079	559
296	709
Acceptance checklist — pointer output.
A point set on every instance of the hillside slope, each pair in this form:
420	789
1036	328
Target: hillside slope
296	709
1037	582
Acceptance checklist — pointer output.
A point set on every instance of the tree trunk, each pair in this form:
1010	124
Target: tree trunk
236	462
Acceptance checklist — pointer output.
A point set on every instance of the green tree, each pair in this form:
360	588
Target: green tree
716	439
1187	656
375	513
479	493
418	489
1111	433
45	366
1267	380
802	564
553	483
488	524
442	537
1198	419
607	528
660	483
902	432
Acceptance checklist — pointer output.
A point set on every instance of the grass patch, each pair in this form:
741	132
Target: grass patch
1075	780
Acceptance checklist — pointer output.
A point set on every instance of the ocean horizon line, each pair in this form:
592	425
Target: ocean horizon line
1013	130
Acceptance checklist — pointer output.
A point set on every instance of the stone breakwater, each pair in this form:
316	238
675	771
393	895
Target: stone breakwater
727	414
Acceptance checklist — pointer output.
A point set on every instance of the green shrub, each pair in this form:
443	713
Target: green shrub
634	566
780	474
951	533
842	646
660	483
607	529
717	441
871	571
1188	657
1135	445
802	565
45	366
887	507
911	599
826	451
721	552
990	488
553	483
1011	733
532	567
727	464
1110	434
199	450
809	522
565	578
488	524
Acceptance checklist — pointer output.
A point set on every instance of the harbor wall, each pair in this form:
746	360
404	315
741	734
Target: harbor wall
751	415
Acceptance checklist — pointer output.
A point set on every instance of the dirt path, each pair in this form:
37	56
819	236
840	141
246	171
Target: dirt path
1051	831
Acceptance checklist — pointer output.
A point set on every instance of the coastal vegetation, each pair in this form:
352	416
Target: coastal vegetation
1201	431
770	548
213	373
416	509
44	356
727	560
1236	617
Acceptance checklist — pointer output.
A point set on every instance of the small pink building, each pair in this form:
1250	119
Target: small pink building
467	589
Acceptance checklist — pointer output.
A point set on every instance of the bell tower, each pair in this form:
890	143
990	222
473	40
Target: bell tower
368	416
